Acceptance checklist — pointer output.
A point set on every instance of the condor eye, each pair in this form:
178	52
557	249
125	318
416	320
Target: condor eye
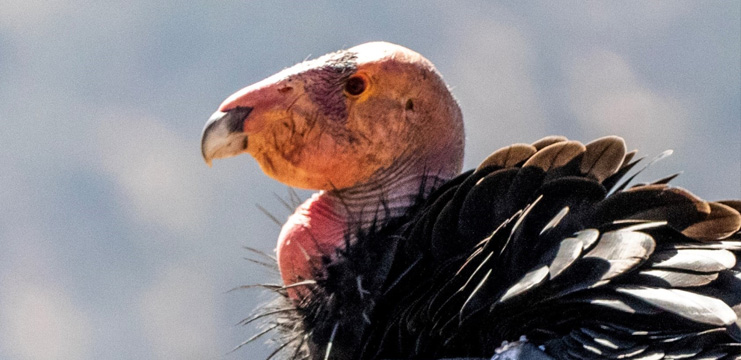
355	85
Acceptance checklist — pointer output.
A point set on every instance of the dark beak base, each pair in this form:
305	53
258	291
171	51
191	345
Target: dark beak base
219	137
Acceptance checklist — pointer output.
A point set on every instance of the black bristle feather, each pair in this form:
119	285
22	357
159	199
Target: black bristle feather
429	284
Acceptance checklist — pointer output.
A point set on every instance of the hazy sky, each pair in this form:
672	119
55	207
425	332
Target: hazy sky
118	242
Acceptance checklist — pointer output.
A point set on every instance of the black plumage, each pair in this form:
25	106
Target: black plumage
544	251
544	241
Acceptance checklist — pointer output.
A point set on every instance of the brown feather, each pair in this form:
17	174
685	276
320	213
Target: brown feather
735	204
508	156
678	206
555	155
603	157
548	140
722	222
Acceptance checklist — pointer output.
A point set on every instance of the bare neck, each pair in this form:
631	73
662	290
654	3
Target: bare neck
323	223
377	202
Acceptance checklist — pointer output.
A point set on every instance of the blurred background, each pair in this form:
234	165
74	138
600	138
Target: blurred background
118	242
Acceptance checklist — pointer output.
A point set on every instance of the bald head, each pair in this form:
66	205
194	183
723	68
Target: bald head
339	120
374	125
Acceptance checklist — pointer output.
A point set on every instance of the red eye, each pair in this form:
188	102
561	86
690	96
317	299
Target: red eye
355	85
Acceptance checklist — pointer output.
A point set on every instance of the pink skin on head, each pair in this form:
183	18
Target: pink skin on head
406	126
263	97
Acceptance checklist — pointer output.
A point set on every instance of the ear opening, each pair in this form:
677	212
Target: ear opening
409	105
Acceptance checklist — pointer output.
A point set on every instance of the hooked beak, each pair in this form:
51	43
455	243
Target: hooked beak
224	136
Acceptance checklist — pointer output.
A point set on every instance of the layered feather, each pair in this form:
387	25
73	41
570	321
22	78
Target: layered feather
544	241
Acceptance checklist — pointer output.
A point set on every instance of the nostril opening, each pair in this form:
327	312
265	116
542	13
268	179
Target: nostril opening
285	89
234	118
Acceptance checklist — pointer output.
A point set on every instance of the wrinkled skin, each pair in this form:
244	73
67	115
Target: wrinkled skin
363	124
307	131
572	264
